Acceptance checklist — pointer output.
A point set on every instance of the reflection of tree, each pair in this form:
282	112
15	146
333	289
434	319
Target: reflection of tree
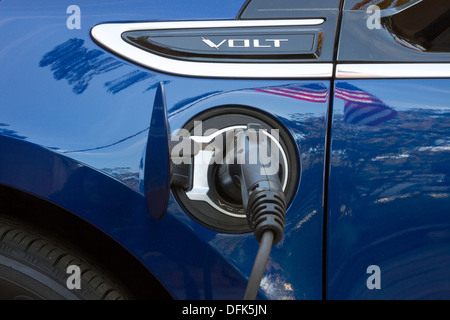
9	132
78	65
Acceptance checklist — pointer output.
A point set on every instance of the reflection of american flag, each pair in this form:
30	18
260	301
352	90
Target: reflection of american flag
361	107
382	4
310	92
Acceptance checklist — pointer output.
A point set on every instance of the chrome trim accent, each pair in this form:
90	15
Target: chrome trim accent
392	70
208	139
109	36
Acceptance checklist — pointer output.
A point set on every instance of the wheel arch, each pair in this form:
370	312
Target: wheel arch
78	204
65	225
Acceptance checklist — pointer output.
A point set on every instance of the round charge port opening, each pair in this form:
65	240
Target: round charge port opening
214	198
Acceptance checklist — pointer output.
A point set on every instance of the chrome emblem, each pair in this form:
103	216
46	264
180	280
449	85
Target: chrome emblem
245	43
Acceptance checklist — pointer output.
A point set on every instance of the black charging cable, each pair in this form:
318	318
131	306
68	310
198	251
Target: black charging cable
262	196
259	266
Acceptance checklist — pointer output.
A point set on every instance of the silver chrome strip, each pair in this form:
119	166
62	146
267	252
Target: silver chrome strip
109	35
392	70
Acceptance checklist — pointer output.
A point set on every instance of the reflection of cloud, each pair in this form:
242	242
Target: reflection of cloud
9	132
276	287
305	219
394	157
406	160
434	148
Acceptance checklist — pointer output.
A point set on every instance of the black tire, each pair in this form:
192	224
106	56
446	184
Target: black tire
34	266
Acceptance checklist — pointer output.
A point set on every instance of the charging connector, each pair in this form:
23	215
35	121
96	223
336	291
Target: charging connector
262	195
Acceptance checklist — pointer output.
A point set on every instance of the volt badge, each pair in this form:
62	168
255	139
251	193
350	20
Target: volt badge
245	43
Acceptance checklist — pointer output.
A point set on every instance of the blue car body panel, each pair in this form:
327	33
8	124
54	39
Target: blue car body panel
83	115
389	189
74	125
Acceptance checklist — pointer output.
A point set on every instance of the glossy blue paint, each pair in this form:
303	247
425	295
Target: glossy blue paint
294	270
74	127
91	83
389	192
187	266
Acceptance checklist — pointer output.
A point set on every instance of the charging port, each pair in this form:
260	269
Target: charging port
213	197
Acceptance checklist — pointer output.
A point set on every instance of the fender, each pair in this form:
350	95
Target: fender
122	214
65	182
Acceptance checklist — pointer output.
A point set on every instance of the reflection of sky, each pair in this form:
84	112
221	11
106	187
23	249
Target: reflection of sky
84	113
83	109
94	121
414	146
396	181
35	31
8	132
235	92
406	156
96	109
